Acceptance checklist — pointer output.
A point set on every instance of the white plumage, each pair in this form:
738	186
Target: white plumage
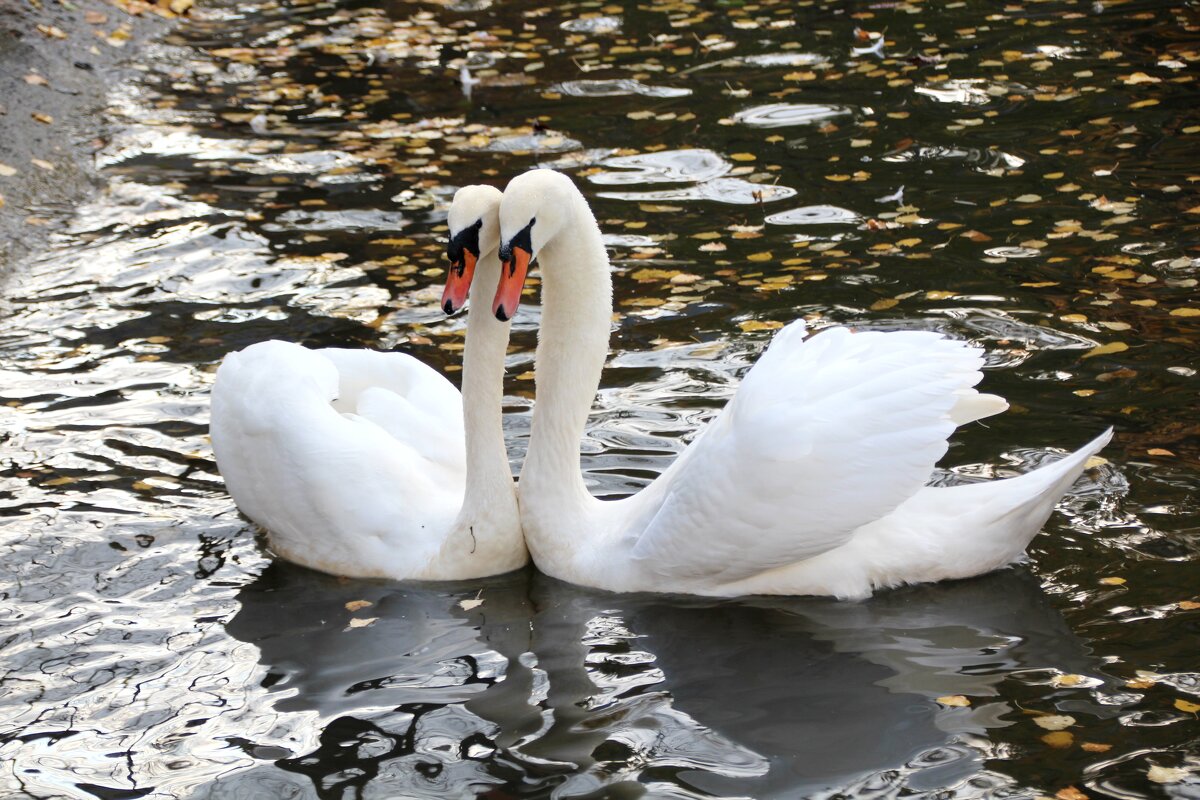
360	463
811	481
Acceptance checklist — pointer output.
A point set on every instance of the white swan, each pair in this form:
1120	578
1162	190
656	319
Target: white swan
812	480
355	462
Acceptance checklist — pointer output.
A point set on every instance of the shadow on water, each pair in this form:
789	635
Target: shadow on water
523	686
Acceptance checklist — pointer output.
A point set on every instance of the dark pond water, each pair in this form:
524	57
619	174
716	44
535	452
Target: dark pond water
1022	175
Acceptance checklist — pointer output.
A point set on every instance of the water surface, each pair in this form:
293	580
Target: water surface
1019	176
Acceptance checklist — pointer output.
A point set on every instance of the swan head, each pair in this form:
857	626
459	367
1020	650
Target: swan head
474	223
533	211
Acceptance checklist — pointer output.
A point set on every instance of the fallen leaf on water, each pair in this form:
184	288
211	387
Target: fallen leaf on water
884	304
954	700
1159	451
1188	605
1054	722
744	157
1185	312
1184	705
1095	747
1059	739
1067	680
470	603
1113	581
358	622
45	119
33	79
1166	774
1070	793
53	31
358	605
46	165
6	171
760	325
766	255
1107	349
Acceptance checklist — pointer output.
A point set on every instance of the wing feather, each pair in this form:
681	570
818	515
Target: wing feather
826	434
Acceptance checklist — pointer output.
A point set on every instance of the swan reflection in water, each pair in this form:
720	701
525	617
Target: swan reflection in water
544	689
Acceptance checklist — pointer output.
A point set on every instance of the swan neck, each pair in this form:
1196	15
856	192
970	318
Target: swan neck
572	348
488	474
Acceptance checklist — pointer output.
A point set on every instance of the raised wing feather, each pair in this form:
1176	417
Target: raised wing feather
826	434
300	452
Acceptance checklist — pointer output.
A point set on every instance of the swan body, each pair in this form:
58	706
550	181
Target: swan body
811	481
372	464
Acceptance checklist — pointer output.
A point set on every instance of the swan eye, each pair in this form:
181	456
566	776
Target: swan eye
465	240
523	240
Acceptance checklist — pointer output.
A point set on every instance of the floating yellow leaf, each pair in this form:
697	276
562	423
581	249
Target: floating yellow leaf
1070	793
6	171
358	622
765	255
647	275
1185	312
744	157
954	701
884	304
1184	705
1068	680
1107	349
1188	605
1095	747
45	119
837	178
1158	451
1113	581
358	605
760	325
1059	739
1054	722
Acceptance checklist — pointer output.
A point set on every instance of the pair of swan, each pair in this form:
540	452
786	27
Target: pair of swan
811	481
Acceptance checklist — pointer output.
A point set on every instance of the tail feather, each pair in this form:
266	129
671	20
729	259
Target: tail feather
944	533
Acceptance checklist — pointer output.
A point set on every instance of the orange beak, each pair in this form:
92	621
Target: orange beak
458	282
512	280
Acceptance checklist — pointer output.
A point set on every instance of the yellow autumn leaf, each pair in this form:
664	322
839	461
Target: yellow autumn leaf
760	325
744	157
1113	581
765	255
358	605
1107	349
1184	705
1054	722
954	701
1185	312
359	622
1059	739
884	304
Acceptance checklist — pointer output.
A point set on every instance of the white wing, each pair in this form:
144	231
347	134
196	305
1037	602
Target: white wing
826	434
349	459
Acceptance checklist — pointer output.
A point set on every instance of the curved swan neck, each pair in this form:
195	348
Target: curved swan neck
488	474
572	348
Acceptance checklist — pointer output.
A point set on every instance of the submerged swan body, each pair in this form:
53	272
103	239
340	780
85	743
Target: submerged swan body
371	464
811	481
